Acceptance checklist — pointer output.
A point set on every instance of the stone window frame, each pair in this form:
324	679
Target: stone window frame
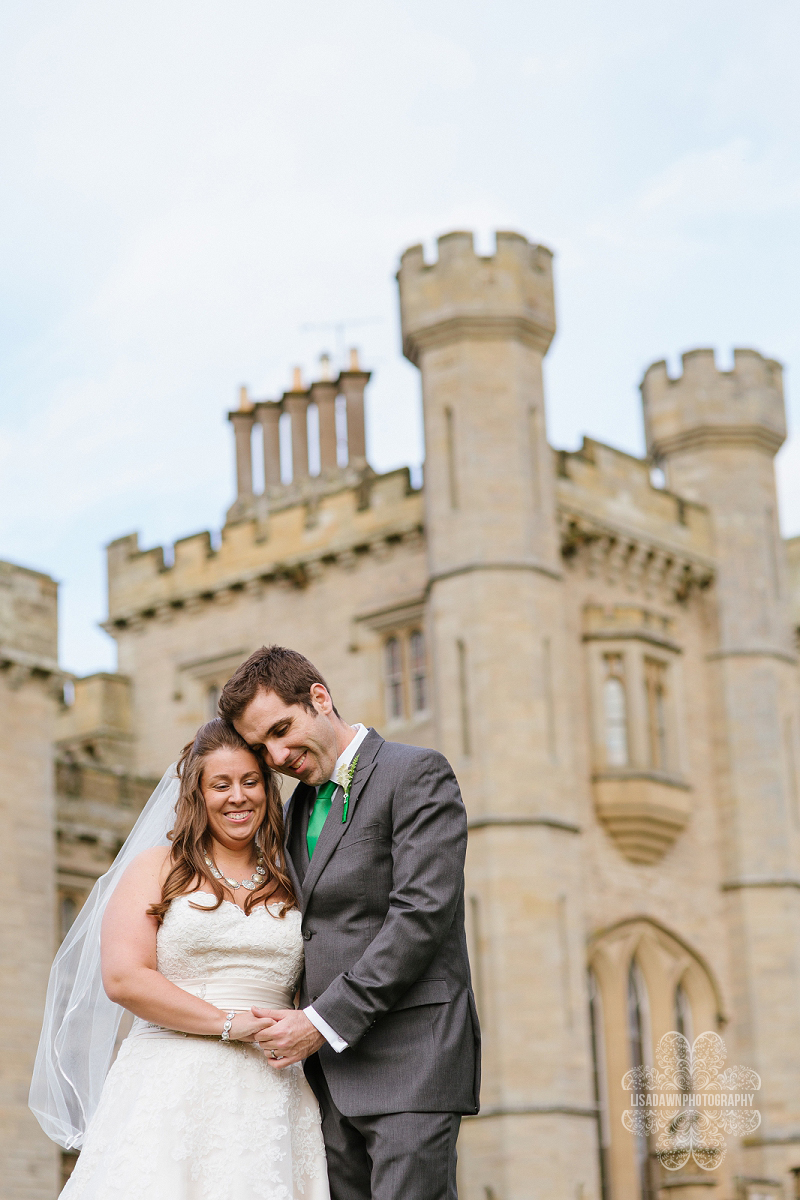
615	724
394	679
401	636
643	805
196	678
636	651
400	622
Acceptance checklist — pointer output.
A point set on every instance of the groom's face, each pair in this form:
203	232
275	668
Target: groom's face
298	742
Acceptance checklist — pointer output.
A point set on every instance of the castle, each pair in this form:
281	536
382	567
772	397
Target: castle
609	662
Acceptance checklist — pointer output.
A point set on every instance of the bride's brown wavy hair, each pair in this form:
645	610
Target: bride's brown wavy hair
191	838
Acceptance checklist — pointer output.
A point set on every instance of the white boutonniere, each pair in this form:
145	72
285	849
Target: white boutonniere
344	778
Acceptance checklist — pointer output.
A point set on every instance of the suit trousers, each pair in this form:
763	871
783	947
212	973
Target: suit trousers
392	1156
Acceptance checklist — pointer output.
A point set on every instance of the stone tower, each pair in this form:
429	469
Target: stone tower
716	433
28	706
478	329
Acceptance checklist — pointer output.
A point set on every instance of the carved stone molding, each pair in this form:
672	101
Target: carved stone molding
293	573
18	668
642	812
624	557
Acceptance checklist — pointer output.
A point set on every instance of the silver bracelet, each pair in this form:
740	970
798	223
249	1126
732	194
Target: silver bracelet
226	1028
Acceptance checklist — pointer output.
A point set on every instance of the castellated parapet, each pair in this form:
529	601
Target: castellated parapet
304	539
509	294
705	405
28	618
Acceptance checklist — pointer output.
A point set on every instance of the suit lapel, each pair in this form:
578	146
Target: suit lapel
333	829
293	828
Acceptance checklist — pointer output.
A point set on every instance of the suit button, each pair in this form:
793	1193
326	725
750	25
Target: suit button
308	934
313	998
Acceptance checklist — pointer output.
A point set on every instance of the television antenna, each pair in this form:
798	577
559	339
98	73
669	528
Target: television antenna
339	329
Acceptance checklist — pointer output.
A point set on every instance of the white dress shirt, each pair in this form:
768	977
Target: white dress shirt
337	774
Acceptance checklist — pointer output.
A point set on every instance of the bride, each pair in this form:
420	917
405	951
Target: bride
193	933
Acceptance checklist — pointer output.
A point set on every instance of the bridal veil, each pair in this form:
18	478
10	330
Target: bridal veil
80	1022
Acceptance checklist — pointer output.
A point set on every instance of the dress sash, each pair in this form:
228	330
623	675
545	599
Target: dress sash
228	993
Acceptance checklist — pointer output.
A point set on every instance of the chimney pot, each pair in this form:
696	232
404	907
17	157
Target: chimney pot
354	363
297	380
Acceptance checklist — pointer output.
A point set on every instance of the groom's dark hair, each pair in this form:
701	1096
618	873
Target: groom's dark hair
276	669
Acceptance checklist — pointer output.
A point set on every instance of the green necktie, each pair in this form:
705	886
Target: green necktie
319	813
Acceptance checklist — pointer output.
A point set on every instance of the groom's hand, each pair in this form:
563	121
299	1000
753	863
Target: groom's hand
292	1038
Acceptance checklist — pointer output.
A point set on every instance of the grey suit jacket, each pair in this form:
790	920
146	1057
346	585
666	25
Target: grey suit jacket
383	920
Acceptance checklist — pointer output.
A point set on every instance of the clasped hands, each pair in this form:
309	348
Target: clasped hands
285	1036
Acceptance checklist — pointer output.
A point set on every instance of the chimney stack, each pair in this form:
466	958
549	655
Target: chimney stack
323	393
352	384
295	403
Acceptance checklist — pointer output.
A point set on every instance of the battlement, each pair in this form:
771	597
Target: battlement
508	294
96	727
28	617
601	484
293	544
706	406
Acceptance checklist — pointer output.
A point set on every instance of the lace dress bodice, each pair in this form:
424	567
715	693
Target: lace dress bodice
198	941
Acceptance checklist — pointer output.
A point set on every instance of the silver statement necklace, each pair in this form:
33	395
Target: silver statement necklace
250	884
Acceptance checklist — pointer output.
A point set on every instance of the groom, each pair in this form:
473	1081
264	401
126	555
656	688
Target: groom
376	835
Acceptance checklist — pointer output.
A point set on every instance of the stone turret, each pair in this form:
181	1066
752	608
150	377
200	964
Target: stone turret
478	329
706	406
716	433
30	687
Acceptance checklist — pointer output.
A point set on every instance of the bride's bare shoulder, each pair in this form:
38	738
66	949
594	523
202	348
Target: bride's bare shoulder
141	883
153	863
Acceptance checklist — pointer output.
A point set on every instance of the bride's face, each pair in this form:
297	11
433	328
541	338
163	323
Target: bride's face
236	801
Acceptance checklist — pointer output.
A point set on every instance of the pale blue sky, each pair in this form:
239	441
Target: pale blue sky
185	185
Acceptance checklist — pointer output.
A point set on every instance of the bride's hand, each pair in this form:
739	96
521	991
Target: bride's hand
245	1026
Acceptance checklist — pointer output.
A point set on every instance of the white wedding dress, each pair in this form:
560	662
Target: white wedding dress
196	1118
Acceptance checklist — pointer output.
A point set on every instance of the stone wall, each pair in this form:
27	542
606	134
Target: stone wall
29	697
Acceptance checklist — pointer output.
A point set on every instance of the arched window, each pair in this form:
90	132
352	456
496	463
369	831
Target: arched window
600	1082
615	712
683	1014
393	659
639	1041
684	1025
647	984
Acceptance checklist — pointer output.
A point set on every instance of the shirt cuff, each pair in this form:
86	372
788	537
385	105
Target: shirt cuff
331	1036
